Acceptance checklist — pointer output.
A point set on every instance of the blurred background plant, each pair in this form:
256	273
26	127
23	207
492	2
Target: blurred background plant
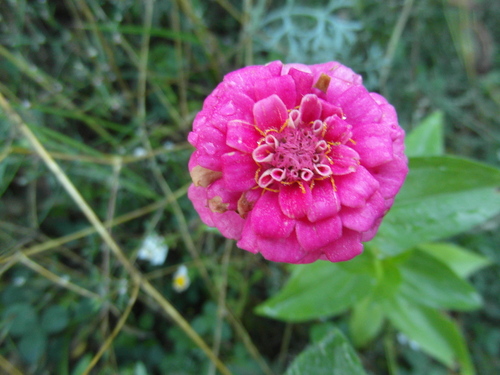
109	89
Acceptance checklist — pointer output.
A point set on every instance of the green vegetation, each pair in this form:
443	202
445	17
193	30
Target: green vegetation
96	101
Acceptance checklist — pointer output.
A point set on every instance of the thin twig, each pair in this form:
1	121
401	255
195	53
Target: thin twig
116	330
106	256
62	282
36	249
221	304
8	367
393	42
390	353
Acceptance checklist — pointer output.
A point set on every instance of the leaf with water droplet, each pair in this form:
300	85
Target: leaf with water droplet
442	196
331	356
321	289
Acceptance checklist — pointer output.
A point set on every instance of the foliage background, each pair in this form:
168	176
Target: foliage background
110	88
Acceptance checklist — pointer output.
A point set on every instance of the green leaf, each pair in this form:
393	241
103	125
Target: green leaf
54	319
427	139
82	364
441	197
331	356
435	332
367	318
366	321
21	319
462	261
319	290
8	170
429	282
319	331
33	345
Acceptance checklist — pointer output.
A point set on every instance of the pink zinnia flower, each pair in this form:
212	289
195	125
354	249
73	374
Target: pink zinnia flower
296	162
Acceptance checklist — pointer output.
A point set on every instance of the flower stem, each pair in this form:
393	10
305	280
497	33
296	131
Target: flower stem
390	352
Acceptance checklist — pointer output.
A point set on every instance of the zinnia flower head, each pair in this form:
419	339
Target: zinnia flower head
296	162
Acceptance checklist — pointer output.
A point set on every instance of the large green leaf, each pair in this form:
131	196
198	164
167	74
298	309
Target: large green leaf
331	356
441	197
462	261
319	290
434	332
33	345
427	139
428	281
366	321
21	319
54	319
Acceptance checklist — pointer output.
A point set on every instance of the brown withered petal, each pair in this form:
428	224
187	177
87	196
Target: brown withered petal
204	177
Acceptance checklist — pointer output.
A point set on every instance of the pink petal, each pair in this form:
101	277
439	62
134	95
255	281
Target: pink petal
209	139
363	218
211	144
198	196
337	70
233	106
369	234
313	236
248	240
193	160
345	160
222	106
219	189
210	162
229	223
296	66
270	113
303	83
390	121
274	67
358	106
338	130
355	188
238	171
379	99
242	80
373	144
345	248
242	136
310	257
293	202
336	88
285	249
267	218
324	201
283	86
391	175
310	108
329	109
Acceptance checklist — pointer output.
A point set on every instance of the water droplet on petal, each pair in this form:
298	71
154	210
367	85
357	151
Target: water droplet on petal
228	109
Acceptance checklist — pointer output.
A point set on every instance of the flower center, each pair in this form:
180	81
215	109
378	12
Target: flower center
296	153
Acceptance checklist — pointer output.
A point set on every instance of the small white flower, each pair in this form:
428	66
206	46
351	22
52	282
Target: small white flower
122	287
403	340
181	279
140	151
153	249
168	145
